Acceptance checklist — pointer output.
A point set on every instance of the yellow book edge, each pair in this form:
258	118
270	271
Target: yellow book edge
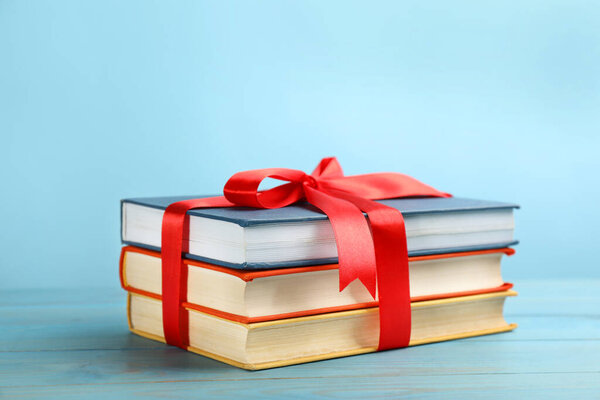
337	354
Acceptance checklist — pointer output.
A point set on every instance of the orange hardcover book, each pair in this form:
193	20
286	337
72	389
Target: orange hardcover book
258	296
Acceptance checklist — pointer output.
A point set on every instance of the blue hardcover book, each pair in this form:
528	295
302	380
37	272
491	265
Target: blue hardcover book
301	235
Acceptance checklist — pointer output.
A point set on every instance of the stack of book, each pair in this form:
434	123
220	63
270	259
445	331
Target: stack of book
263	283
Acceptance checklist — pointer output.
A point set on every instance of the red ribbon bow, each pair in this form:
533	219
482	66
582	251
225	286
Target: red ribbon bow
372	251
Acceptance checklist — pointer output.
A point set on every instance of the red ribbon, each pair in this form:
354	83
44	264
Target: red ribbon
373	251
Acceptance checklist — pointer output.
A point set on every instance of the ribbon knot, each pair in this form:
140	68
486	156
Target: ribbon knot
372	250
310	181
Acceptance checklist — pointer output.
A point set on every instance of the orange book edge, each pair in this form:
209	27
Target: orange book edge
248	276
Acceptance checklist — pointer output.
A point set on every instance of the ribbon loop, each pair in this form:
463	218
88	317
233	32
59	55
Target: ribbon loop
329	167
384	185
242	188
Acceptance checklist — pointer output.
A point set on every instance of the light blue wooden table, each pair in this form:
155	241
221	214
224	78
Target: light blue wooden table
75	344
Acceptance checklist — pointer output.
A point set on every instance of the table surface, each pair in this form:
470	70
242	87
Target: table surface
74	343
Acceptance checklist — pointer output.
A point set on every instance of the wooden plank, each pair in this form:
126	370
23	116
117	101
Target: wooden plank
170	364
543	386
75	344
68	328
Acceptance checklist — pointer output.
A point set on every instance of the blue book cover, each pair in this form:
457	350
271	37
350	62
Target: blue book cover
300	212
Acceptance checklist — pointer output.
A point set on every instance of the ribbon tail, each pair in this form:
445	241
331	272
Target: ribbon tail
393	283
329	167
383	185
356	252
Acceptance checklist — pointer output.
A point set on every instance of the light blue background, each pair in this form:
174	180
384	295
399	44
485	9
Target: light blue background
108	99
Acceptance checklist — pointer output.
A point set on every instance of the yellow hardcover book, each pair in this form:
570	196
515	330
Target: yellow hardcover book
289	341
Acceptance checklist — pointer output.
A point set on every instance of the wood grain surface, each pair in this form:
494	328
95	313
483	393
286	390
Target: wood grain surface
74	344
